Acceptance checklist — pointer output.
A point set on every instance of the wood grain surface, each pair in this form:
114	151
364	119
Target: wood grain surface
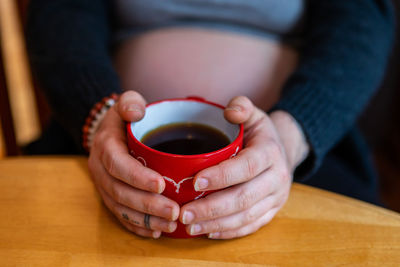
51	215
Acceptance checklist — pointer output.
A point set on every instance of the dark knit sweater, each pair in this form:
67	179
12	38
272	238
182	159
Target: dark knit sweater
342	63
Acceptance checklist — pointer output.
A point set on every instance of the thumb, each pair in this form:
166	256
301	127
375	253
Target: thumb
131	106
239	110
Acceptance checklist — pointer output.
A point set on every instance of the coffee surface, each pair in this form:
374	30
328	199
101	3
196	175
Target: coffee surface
186	139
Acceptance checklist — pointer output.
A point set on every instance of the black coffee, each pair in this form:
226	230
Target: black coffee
186	139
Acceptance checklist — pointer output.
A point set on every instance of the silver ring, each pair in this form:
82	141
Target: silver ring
147	220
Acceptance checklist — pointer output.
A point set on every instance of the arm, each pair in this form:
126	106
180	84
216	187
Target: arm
69	52
68	45
343	61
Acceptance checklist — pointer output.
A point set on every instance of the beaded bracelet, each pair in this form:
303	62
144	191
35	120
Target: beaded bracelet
96	115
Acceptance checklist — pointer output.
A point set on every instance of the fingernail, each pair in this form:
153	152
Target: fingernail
175	215
235	108
168	213
194	229
156	234
133	107
168	227
213	235
172	227
156	187
171	214
201	184
187	217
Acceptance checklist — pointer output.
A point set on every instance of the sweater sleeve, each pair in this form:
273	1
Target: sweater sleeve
68	48
342	63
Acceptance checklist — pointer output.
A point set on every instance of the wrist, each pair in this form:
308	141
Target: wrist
96	115
292	137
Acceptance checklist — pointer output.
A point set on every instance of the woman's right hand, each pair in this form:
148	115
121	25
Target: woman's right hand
129	189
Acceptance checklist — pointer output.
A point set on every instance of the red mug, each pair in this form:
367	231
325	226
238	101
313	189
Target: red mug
179	170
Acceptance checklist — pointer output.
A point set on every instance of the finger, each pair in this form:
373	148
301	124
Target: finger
110	146
261	152
141	231
249	163
229	201
124	167
142	201
131	106
241	110
238	110
135	229
236	220
136	218
245	230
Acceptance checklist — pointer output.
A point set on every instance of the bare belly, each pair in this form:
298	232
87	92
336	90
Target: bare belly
178	62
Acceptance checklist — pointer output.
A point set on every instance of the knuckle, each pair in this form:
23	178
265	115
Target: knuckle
147	207
217	226
213	211
244	199
116	192
274	148
225	175
264	156
150	205
110	162
131	179
249	216
252	166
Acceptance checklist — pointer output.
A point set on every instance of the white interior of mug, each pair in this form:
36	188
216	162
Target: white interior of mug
176	111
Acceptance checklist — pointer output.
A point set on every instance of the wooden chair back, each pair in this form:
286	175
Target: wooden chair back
19	110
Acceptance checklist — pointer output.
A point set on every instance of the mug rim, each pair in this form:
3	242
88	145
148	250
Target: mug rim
203	155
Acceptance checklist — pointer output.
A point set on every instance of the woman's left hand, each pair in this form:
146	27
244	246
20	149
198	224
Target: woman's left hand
256	183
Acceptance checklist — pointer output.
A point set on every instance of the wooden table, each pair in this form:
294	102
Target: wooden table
51	215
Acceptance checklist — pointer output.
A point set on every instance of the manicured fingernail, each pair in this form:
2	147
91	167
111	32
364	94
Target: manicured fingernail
201	184
213	235
187	217
194	229
235	108
156	234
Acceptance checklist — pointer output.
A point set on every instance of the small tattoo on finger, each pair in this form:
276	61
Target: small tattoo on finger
125	216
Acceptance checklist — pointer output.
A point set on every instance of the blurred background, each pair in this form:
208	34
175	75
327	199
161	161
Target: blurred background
24	112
